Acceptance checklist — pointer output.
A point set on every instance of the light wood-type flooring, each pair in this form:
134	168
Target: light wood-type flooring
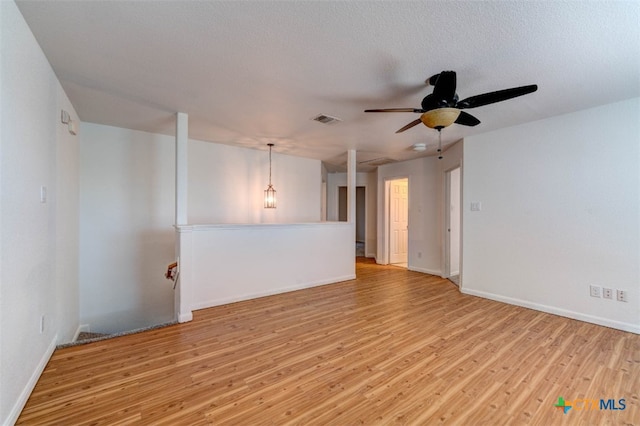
391	347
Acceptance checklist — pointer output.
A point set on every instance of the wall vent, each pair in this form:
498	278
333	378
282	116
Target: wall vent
326	119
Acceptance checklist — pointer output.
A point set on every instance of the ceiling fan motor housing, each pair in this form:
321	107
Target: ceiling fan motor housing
430	102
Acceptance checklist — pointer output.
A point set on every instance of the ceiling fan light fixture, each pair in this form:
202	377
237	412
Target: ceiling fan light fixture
440	118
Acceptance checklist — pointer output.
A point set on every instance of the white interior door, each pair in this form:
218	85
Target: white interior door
453	222
398	220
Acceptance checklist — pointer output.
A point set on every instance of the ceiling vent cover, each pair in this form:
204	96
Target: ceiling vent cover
326	119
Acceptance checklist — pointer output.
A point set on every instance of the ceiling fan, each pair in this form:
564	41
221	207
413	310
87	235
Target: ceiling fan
442	108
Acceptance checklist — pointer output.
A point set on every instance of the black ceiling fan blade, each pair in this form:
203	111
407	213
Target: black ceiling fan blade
410	125
445	88
467	119
431	81
493	97
394	110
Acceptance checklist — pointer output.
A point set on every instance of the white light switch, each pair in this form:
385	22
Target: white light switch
476	206
43	194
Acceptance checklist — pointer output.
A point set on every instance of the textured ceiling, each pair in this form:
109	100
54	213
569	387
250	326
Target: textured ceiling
250	73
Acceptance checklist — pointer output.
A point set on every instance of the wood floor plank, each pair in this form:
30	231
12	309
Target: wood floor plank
391	347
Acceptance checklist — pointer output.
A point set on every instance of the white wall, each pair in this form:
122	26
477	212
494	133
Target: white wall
361	210
127	214
282	257
424	212
369	181
227	183
127	181
39	240
323	192
371	232
560	211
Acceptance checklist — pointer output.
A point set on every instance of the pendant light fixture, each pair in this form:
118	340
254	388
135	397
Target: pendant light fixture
270	193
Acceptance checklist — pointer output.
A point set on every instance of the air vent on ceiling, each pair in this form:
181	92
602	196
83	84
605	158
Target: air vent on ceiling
326	119
378	161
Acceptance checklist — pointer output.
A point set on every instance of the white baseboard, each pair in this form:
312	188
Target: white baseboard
26	392
185	317
618	325
82	328
424	270
240	298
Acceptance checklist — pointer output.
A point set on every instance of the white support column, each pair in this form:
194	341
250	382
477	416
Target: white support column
182	300
351	186
351	201
182	136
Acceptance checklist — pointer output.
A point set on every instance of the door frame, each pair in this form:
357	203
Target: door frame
387	223
447	223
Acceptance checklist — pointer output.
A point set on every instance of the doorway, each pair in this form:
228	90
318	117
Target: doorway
452	223
360	215
398	214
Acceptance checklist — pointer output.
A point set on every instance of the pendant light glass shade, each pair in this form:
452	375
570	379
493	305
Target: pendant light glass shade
270	197
270	193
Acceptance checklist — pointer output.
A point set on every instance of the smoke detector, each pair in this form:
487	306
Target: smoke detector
326	119
420	147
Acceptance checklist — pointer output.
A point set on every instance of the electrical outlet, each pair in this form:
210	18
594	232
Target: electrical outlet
42	324
607	293
595	290
622	296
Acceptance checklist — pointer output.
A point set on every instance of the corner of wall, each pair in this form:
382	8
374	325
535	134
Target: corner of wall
31	384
